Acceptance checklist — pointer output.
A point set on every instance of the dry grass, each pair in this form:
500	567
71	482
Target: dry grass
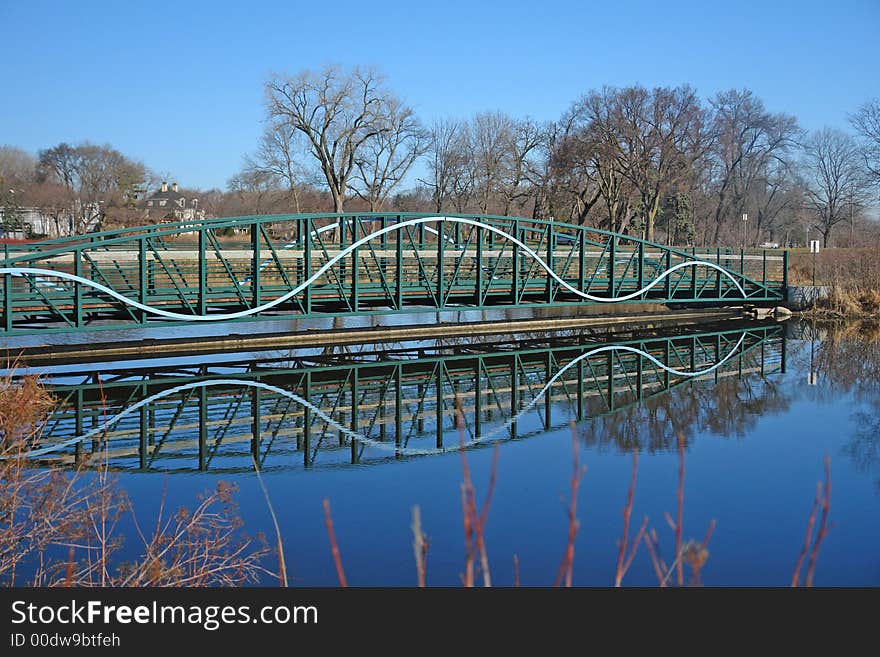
853	276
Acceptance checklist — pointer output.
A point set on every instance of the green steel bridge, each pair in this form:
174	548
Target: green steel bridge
259	267
299	409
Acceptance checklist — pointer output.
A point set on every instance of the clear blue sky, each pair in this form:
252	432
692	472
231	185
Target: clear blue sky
179	85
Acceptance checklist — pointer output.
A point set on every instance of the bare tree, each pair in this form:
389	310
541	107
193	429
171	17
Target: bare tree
256	190
490	147
97	179
338	112
17	166
384	160
526	140
833	178
572	163
867	124
446	160
278	155
751	147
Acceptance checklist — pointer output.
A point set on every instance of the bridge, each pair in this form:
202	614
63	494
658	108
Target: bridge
258	267
306	409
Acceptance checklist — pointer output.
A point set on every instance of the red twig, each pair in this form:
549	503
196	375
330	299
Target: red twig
823	523
567	564
68	576
420	545
795	578
823	501
680	503
334	546
475	522
627	513
653	546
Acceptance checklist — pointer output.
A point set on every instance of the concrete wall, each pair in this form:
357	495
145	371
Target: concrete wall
801	297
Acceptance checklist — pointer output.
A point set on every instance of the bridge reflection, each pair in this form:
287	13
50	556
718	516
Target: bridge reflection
299	409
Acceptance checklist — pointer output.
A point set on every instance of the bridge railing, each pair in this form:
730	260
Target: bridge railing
300	265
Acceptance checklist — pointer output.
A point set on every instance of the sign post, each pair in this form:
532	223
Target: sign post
814	249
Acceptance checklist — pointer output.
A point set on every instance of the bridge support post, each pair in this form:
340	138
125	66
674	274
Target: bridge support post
441	264
785	275
355	291
549	290
582	259
143	279
580	390
398	405
610	382
612	258
203	428
640	367
256	424
667	283
439	409
7	294
307	420
355	394
255	266
77	289
478	291
478	399
203	272
144	427
548	398
7	302
398	272
307	265
78	423
640	282
764	271
514	392
514	267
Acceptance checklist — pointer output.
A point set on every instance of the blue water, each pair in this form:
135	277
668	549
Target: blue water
754	454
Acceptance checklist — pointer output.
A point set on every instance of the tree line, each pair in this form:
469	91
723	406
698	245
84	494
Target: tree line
662	163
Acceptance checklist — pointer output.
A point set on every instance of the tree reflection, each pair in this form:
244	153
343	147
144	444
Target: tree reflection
730	407
848	360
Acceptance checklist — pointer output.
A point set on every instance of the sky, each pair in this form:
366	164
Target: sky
179	85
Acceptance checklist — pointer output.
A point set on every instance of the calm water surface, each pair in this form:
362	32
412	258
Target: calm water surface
373	429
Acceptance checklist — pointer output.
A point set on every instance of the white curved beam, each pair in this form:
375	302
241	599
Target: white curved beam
360	437
32	271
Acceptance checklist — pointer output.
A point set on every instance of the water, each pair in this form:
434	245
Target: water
772	402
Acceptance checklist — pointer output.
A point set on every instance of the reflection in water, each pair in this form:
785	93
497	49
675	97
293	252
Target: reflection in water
846	360
323	408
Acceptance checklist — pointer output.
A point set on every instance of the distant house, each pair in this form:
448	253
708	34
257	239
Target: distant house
34	222
168	204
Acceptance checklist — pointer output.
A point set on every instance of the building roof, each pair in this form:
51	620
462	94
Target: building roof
169	195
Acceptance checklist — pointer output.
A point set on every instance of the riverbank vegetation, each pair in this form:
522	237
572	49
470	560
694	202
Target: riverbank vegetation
851	278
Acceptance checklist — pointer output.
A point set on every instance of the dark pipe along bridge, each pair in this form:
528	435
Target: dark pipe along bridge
261	267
